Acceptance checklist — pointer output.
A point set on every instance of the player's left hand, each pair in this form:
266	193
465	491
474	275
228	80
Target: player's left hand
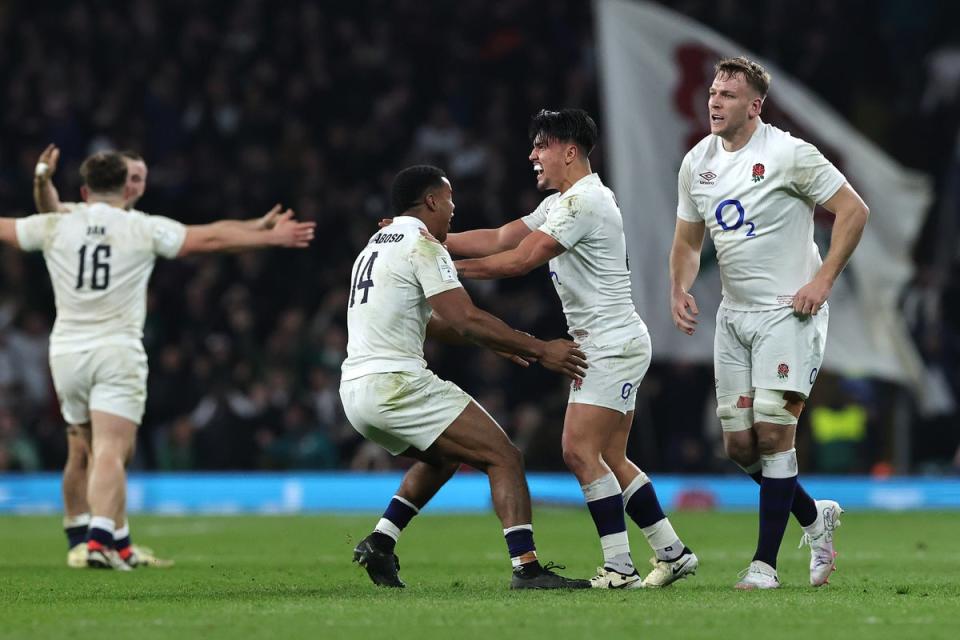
270	218
811	296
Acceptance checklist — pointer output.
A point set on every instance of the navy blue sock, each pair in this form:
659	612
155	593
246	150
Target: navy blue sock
399	513
607	514
520	544
397	516
102	536
776	496
643	506
76	535
804	507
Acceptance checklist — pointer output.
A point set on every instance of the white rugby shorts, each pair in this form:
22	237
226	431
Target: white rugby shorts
112	379
774	350
402	409
614	371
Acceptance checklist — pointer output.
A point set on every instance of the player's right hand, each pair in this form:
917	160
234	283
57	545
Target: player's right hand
684	309
564	356
384	222
288	232
47	163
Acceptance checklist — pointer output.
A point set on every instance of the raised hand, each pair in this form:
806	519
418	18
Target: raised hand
684	308
288	232
564	356
47	162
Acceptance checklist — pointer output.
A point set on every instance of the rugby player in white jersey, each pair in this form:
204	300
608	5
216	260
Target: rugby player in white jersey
100	257
579	231
404	287
76	508
755	187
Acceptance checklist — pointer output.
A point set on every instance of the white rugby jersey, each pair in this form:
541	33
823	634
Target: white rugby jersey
388	312
592	277
100	259
758	204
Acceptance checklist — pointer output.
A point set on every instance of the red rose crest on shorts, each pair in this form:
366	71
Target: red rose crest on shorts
758	171
577	384
783	370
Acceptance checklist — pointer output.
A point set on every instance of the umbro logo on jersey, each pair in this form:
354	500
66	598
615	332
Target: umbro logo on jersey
708	178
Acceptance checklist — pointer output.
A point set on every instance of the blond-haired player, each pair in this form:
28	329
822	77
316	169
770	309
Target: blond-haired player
755	187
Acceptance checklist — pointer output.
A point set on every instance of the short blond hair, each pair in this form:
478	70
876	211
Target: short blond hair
754	74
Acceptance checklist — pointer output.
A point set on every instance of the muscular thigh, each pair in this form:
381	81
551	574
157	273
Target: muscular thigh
731	355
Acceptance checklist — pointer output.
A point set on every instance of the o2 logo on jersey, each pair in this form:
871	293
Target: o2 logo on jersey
740	218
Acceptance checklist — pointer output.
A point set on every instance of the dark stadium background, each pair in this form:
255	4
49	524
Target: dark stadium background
237	105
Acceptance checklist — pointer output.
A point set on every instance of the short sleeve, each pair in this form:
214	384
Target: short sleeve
686	208
433	267
166	235
536	219
814	176
569	220
34	231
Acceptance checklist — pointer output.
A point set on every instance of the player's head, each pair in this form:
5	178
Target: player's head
736	95
561	139
423	191
136	175
104	176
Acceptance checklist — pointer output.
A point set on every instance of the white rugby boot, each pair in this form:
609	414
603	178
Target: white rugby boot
610	579
822	554
666	573
77	556
759	575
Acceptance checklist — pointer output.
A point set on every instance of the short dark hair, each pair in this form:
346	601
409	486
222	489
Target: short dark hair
130	154
104	172
566	125
410	184
753	73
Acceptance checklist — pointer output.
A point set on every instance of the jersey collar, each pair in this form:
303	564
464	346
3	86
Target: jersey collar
409	220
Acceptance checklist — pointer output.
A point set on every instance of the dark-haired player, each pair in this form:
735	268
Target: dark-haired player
772	322
100	256
404	286
579	231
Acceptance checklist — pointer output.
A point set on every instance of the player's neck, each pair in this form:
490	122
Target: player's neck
741	137
576	173
106	198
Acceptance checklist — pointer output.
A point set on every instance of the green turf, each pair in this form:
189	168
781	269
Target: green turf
291	577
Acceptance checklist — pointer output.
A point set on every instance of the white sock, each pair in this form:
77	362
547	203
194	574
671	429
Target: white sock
387	528
122	532
79	520
663	540
616	546
105	524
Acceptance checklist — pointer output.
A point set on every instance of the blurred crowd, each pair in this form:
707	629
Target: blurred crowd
237	105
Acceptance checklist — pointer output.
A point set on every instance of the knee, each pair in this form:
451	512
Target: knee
574	458
741	452
508	455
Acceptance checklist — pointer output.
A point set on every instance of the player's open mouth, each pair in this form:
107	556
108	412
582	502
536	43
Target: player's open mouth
716	118
538	169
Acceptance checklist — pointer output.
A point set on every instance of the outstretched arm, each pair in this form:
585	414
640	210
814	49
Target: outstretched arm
534	250
45	194
236	235
684	266
456	308
440	329
851	217
479	243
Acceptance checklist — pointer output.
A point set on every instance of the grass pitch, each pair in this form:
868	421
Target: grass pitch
291	577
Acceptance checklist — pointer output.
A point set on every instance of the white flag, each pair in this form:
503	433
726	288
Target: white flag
656	66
